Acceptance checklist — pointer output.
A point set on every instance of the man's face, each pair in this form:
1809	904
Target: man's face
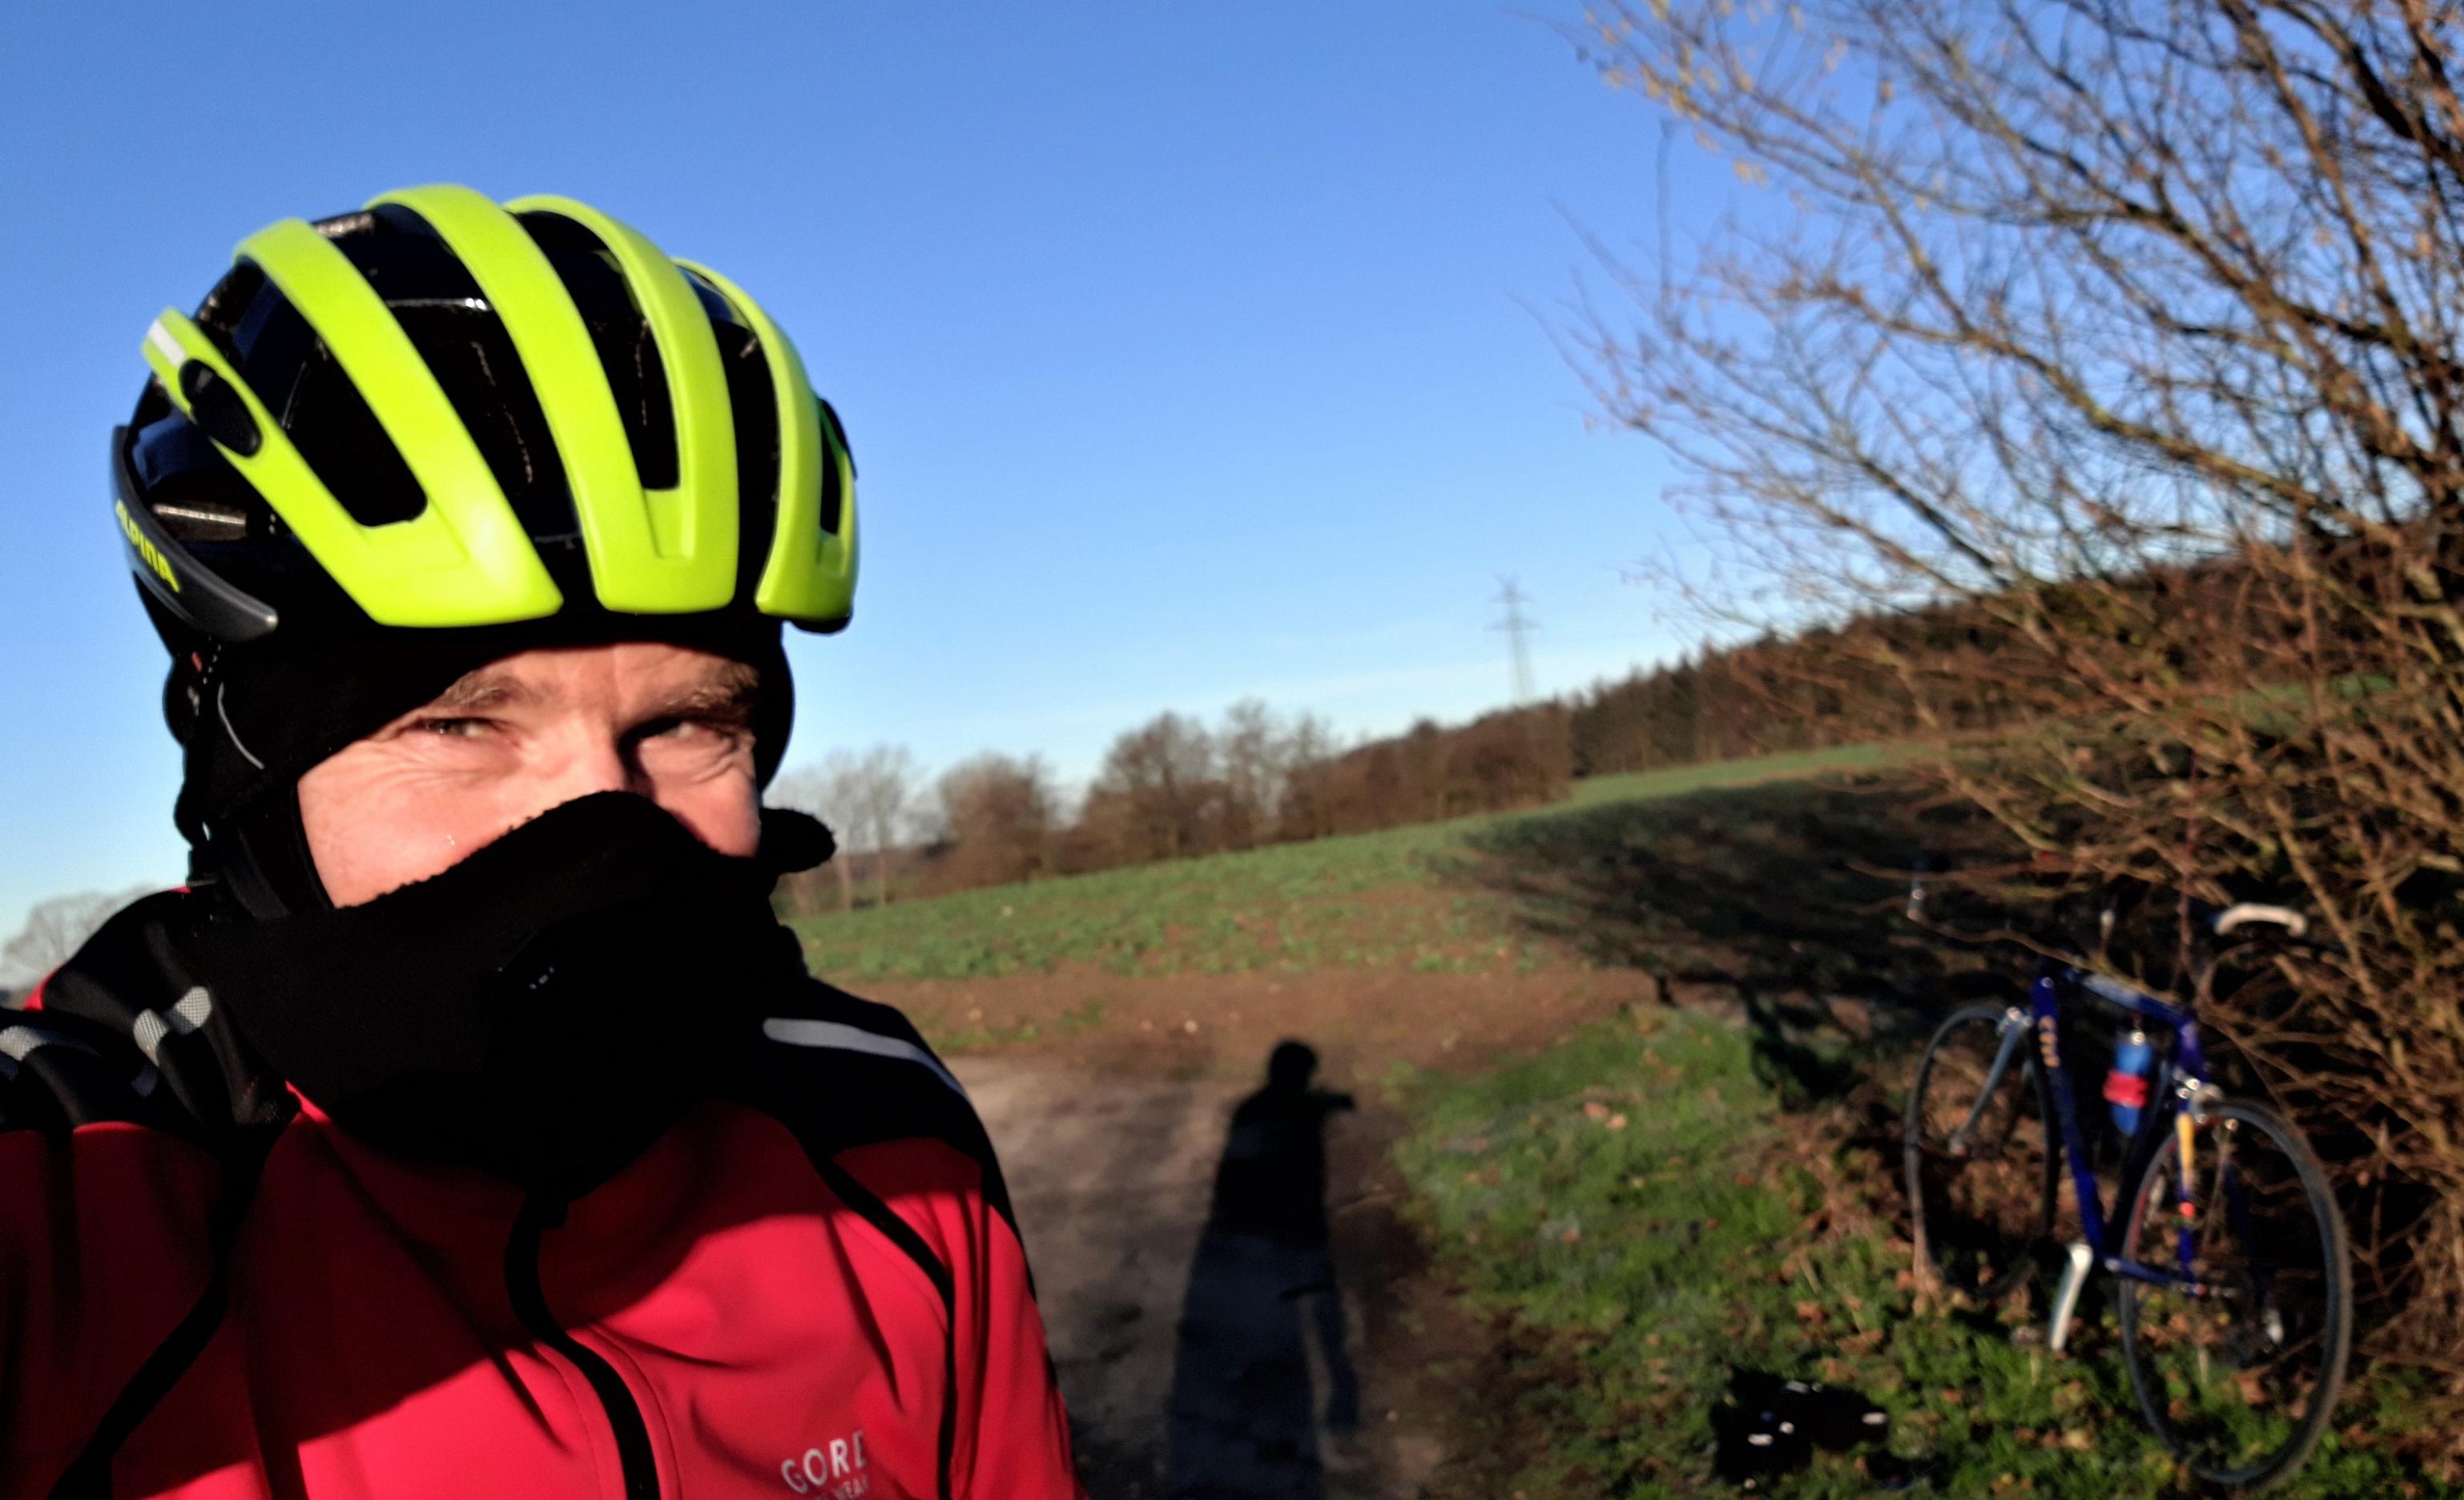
529	733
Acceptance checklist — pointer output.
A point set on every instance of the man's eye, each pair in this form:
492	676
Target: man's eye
685	729
452	728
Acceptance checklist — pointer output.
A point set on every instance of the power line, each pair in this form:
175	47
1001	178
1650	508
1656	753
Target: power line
1517	625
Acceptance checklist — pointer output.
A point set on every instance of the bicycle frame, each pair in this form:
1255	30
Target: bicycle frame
2180	1079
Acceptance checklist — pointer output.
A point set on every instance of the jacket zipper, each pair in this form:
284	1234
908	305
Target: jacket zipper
530	1305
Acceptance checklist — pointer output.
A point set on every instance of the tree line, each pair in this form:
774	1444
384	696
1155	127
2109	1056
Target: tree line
1176	788
1173	788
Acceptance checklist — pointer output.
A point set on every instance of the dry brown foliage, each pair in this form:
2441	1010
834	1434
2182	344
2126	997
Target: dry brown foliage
1517	758
999	818
2102	357
1172	788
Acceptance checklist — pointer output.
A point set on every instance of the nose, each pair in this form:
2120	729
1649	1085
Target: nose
596	761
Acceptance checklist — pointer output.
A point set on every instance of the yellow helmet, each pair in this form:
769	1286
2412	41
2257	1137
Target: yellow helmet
443	411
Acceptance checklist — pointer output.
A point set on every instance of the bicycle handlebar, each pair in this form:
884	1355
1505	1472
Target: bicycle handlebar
2294	924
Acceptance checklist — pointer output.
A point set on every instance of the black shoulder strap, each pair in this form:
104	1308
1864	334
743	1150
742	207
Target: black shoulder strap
89	1476
842	1072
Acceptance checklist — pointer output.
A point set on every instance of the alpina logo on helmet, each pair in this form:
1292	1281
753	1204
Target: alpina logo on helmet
144	546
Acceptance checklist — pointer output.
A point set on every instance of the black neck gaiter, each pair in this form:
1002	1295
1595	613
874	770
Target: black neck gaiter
541	1010
254	719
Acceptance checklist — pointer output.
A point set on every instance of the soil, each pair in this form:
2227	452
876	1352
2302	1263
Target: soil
1113	1127
1361	1022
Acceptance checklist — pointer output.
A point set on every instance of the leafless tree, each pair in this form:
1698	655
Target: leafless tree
1157	792
54	930
997	814
2103	356
883	787
1305	810
1256	753
827	791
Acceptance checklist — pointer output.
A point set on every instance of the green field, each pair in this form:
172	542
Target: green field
1370	900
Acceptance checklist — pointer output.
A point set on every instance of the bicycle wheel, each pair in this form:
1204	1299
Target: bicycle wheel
2238	1370
1980	1167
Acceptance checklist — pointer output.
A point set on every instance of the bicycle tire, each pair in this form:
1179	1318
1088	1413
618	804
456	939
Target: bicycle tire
1933	1231
2334	1324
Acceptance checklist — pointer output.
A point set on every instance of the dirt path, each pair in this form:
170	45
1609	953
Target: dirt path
1110	1174
1198	1342
1183	1351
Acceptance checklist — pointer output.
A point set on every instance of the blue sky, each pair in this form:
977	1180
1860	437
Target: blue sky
1187	353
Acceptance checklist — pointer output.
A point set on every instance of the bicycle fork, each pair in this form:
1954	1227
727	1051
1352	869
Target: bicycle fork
2082	1260
2015	1035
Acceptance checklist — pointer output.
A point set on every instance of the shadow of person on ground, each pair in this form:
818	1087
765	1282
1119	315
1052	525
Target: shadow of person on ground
1261	1289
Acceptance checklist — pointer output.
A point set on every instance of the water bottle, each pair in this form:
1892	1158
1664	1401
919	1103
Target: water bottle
2125	1087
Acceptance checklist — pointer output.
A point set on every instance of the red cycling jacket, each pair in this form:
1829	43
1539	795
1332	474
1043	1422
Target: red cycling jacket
811	1287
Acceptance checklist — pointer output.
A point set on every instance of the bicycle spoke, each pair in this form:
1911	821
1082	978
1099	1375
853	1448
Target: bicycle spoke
2236	1368
1979	1175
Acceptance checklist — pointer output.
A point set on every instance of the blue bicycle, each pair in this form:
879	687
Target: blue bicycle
2228	1252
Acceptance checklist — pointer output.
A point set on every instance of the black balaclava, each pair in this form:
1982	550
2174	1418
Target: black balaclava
541	1010
253	721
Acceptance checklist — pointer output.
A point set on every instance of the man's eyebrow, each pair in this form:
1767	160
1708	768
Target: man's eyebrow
727	693
476	692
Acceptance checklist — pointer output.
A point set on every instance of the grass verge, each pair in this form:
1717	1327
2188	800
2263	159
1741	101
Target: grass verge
1642	1220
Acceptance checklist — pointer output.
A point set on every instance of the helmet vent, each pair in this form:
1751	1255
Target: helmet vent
627	351
464	344
834	487
330	423
219	410
321	411
200	522
757	445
